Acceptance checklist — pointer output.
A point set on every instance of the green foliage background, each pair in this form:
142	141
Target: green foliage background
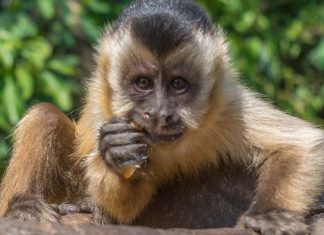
45	52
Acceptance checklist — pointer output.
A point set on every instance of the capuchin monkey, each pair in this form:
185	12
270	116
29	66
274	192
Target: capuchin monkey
164	105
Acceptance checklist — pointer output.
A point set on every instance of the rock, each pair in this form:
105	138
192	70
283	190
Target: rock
75	219
12	227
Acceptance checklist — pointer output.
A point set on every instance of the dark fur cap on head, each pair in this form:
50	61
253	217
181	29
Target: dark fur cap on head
162	25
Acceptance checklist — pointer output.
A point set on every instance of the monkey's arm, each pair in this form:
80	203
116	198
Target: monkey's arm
288	154
118	198
40	170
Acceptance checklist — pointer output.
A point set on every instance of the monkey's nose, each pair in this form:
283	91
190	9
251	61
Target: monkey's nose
160	119
166	120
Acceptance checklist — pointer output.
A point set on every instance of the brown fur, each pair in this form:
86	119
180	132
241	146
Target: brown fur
41	161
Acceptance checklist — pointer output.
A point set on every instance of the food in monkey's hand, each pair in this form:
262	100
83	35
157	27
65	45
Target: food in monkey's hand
129	171
123	146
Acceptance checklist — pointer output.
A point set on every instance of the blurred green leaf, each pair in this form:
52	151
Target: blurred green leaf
65	65
3	150
36	52
90	29
25	81
58	89
4	124
46	8
246	21
7	54
317	56
263	22
12	103
295	29
99	7
23	27
254	45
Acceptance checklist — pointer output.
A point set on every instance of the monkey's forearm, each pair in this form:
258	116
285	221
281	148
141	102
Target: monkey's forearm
287	153
41	161
286	181
288	156
120	198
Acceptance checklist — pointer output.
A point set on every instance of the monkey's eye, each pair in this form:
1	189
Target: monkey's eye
143	84
179	84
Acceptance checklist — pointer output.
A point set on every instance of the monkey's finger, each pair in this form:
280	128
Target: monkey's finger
252	223
128	155
122	139
141	160
86	206
116	119
117	128
129	152
65	209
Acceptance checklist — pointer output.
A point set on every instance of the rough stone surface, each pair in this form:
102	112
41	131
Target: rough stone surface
11	227
75	219
81	224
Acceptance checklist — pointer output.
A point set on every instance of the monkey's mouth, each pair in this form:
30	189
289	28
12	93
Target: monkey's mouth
158	135
163	138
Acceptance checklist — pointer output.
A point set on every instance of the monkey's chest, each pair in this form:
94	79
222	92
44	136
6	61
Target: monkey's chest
215	199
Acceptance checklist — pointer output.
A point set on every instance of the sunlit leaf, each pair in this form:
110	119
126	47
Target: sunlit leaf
46	8
263	22
295	50
246	21
295	30
65	65
58	89
37	52
6	54
4	150
23	27
255	46
90	29
11	100
99	7
25	81
317	56
4	123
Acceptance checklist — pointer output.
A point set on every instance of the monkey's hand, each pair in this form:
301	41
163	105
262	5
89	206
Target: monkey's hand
85	205
276	222
31	207
123	146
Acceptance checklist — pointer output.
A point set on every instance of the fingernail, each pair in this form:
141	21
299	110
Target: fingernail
73	209
252	223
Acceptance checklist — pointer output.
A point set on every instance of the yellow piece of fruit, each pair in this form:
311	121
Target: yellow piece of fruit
133	124
129	172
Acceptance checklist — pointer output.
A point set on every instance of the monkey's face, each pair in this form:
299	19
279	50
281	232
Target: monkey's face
163	94
159	95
